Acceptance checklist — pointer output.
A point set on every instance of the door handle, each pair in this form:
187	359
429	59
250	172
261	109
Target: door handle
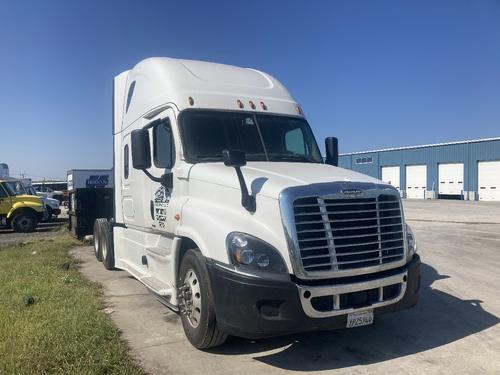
152	209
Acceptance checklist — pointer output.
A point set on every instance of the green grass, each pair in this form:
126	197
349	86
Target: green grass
64	331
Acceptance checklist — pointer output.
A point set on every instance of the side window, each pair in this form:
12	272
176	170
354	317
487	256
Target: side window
294	142
3	194
129	95
163	145
125	162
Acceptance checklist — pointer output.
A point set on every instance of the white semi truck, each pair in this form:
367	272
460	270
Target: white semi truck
226	211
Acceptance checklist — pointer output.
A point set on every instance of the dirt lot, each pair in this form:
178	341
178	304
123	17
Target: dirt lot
44	230
453	329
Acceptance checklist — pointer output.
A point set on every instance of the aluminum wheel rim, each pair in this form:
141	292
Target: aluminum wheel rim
192	298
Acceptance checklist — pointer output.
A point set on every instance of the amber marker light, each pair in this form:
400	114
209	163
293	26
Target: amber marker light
239	103
263	106
298	109
252	105
191	100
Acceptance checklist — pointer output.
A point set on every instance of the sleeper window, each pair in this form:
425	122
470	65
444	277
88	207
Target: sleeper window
129	95
125	162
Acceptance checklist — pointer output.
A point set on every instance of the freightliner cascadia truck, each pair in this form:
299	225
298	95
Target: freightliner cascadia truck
226	210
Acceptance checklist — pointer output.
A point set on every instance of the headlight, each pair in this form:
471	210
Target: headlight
249	253
411	240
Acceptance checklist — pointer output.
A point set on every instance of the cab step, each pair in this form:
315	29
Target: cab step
156	286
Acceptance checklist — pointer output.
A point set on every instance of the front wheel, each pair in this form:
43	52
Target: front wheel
196	303
24	222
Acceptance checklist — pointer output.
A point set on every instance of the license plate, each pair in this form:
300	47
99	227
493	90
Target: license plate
359	318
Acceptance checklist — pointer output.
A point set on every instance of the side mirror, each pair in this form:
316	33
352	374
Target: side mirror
332	151
234	158
141	149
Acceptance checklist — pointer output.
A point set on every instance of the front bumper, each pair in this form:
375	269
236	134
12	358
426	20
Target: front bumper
256	308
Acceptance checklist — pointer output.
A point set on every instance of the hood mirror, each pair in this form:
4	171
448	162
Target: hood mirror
234	158
332	151
237	159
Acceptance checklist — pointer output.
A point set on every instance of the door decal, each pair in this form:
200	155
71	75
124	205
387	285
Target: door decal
162	199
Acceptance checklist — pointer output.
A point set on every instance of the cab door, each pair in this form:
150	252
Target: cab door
160	216
160	203
5	201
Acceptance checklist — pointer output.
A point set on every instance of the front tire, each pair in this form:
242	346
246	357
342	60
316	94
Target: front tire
24	222
196	303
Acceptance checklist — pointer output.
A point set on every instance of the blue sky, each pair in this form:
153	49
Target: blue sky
373	73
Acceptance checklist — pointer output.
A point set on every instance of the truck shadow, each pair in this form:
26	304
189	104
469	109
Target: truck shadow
438	319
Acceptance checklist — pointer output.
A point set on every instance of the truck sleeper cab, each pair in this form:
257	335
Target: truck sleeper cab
225	209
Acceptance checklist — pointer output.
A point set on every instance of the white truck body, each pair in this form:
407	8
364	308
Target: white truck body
154	225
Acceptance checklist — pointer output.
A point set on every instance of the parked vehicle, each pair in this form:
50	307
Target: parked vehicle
48	192
225	209
51	205
18	209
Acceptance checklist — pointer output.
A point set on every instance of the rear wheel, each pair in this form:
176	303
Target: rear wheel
97	241
24	222
106	248
196	303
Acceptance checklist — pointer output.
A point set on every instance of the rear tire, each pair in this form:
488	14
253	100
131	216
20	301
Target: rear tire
24	222
97	240
196	303
106	244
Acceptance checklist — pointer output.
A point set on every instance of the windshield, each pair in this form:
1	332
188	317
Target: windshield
14	188
261	137
30	190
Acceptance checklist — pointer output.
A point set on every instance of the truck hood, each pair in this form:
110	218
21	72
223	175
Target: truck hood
270	178
53	203
28	198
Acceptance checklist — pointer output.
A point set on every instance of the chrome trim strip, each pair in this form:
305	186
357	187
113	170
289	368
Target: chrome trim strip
336	290
333	190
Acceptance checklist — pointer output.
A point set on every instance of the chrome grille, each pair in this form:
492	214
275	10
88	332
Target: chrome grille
345	234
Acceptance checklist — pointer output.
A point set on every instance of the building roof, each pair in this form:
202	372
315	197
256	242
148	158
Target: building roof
421	146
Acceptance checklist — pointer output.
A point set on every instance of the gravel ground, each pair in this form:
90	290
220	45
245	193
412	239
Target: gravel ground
453	330
44	230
